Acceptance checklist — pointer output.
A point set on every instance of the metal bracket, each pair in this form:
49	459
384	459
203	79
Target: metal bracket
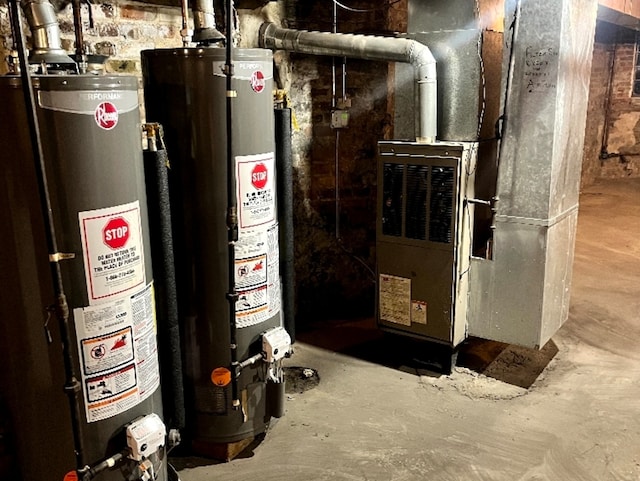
61	256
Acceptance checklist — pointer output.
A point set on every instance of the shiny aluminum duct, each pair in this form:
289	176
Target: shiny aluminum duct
368	48
45	32
204	21
522	295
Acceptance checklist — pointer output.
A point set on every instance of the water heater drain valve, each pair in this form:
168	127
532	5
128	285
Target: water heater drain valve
276	344
145	436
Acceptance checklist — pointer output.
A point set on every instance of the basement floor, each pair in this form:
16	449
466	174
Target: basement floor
568	412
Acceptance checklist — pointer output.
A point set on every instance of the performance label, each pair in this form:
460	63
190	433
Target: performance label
118	354
113	251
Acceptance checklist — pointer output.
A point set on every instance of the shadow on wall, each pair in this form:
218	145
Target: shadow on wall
336	255
335	234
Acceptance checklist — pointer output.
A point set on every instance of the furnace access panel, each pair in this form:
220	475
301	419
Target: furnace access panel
422	238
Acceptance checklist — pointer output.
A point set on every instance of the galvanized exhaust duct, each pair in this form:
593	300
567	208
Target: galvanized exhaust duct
204	22
45	32
368	47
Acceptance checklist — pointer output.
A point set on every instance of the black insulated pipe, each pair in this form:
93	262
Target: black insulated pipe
90	472
157	187
284	167
72	385
232	208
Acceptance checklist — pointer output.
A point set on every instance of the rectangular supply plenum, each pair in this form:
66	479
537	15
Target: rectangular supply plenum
423	238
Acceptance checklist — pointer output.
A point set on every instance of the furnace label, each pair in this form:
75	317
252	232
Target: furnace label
419	312
113	251
118	354
395	299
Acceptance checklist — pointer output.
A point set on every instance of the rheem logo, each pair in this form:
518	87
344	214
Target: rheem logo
106	115
257	81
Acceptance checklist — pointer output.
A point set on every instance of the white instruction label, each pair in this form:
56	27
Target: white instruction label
395	299
256	189
113	251
257	269
118	354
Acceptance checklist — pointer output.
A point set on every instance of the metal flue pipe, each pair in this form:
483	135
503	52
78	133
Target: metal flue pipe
368	47
204	22
45	31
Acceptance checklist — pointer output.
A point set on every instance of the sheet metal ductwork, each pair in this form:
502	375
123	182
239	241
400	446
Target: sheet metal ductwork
368	48
45	31
204	21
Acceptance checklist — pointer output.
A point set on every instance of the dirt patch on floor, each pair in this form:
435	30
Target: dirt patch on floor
473	385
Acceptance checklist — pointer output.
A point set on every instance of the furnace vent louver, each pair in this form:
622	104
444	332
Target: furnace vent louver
417	182
392	199
429	201
441	206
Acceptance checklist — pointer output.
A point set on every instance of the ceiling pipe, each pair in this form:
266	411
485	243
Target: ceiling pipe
204	22
45	32
368	47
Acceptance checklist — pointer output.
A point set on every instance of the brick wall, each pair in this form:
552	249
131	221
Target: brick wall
334	276
612	141
335	273
121	29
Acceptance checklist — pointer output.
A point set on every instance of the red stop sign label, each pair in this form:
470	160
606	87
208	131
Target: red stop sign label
115	233
259	176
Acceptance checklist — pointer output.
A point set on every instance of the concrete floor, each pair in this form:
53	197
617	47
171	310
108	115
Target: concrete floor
579	420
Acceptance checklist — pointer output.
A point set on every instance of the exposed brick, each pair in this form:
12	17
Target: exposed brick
122	66
105	48
138	12
108	30
66	26
108	10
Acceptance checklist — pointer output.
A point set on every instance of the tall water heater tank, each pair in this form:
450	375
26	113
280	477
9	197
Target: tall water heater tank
92	151
185	90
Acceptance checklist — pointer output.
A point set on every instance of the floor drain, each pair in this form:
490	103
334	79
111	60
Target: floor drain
300	379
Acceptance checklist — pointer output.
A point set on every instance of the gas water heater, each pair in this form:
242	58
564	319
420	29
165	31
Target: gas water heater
185	90
91	144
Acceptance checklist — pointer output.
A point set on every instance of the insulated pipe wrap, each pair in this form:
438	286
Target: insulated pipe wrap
157	187
367	47
284	167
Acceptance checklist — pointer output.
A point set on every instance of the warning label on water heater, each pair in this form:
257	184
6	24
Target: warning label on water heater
118	354
256	189
113	251
257	273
